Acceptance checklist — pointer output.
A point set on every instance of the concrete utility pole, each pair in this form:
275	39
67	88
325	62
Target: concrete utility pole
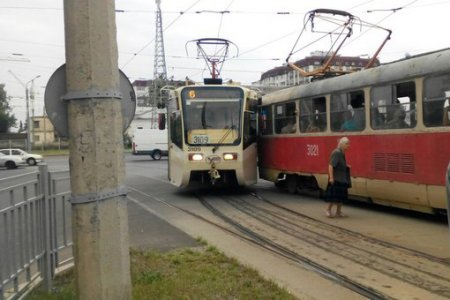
99	207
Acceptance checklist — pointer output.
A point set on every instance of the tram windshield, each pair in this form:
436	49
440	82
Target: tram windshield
212	115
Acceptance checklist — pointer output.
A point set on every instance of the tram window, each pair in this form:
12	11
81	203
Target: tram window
393	106
347	111
285	121
215	115
176	132
435	104
313	115
249	128
265	121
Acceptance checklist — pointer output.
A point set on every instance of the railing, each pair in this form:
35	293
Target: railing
35	230
15	143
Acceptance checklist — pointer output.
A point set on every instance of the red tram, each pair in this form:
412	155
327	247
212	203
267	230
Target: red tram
396	117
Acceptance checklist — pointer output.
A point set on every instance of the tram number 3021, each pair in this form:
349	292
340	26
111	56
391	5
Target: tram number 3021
312	150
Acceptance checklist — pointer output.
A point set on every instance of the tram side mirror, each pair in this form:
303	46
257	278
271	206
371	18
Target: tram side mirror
162	121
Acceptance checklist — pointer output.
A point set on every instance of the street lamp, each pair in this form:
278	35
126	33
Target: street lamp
27	99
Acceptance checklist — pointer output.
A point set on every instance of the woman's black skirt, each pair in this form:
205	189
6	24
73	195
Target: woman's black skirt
337	192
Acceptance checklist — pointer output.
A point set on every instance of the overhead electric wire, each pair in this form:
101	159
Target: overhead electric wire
265	44
221	17
412	4
31	8
393	11
168	26
247	12
361	4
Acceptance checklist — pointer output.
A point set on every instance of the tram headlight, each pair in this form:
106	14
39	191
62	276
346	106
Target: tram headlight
230	156
195	156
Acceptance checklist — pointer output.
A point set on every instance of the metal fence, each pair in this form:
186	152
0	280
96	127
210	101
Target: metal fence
22	144
35	230
17	143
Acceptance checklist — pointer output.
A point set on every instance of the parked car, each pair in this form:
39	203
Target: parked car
10	162
29	158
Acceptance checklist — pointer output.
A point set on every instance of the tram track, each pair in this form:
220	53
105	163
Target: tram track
363	246
358	235
374	263
285	252
370	267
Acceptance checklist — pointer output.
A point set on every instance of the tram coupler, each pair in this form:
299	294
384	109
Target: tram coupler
214	175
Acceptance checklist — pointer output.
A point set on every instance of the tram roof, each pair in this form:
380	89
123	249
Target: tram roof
415	66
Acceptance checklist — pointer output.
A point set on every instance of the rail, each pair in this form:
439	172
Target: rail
35	230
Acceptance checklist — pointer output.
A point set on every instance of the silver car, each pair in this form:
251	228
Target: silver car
29	158
10	162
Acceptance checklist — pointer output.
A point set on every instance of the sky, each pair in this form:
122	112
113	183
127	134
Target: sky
264	32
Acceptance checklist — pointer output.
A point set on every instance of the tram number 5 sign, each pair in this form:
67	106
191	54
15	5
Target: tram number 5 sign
312	150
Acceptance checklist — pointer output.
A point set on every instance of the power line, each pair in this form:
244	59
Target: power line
30	8
118	10
361	4
33	43
267	43
221	17
393	10
248	12
168	26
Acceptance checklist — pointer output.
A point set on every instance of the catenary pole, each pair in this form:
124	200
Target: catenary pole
27	101
99	207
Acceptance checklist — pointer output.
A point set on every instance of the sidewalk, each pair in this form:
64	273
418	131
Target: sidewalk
149	232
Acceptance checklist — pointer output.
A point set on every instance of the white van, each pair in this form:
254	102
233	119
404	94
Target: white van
151	142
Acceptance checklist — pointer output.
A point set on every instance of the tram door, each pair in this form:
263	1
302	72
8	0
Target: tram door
175	155
250	148
175	141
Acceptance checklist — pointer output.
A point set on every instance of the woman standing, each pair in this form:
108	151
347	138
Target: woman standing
338	179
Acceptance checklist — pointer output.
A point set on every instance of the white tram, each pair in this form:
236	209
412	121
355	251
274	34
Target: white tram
212	135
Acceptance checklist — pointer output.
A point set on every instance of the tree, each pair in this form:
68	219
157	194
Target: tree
7	120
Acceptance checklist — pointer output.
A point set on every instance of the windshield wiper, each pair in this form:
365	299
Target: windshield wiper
214	149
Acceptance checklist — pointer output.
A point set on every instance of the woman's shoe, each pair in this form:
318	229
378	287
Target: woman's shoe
328	214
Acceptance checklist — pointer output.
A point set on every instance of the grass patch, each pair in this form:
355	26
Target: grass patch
194	273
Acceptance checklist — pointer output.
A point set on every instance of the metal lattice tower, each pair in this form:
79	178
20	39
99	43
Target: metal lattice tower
159	68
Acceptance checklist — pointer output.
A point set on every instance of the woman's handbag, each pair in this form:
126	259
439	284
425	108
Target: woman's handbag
348	176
